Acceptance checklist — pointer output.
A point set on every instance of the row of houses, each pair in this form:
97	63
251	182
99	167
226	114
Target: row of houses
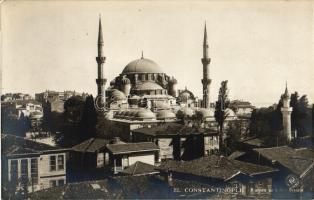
274	171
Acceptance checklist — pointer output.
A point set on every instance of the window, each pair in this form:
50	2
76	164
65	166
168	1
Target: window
34	170
100	159
53	183
125	161
24	168
61	182
14	171
52	163
106	158
60	162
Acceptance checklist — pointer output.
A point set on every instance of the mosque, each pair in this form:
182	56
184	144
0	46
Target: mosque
143	92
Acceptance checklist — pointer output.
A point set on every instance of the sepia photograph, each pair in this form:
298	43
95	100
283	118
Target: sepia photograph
139	99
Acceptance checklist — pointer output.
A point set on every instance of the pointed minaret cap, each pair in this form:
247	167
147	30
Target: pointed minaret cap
286	94
205	34
100	37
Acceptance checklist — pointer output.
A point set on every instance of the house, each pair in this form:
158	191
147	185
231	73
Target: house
243	178
124	155
177	141
41	165
295	163
123	187
107	156
90	154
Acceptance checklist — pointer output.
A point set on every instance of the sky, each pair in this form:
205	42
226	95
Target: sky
256	45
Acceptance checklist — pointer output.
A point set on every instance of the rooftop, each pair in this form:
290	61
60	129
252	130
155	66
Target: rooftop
173	129
132	147
140	168
13	145
296	160
124	187
216	167
91	145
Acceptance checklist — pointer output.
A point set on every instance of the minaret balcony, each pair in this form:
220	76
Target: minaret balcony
205	61
100	59
206	81
101	81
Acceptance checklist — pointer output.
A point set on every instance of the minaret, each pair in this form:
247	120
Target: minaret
286	115
101	81
206	80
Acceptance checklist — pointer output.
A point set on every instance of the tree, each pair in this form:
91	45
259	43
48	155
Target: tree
89	119
47	117
220	108
70	128
104	127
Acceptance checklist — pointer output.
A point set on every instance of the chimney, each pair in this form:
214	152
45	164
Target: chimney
116	140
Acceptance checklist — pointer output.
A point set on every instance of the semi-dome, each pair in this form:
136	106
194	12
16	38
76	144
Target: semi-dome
142	65
165	114
145	114
117	95
148	85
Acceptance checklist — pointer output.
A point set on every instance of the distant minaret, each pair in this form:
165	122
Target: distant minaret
206	79
286	115
101	81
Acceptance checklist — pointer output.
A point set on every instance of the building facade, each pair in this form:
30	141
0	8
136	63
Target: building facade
37	165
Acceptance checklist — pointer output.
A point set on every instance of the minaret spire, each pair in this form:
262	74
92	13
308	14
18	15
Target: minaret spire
101	81
205	43
286	90
206	78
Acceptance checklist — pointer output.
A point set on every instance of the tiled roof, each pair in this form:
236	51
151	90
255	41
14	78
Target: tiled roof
215	167
125	187
173	129
132	147
91	145
140	168
236	154
257	142
297	160
14	145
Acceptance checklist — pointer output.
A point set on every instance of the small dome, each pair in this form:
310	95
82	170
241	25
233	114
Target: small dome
186	95
162	105
145	114
230	112
135	97
117	95
185	111
148	85
142	65
133	113
205	113
165	114
36	115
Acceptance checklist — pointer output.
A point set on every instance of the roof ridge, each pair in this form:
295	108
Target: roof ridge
89	143
136	163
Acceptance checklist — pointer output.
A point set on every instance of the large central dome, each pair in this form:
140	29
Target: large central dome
142	65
